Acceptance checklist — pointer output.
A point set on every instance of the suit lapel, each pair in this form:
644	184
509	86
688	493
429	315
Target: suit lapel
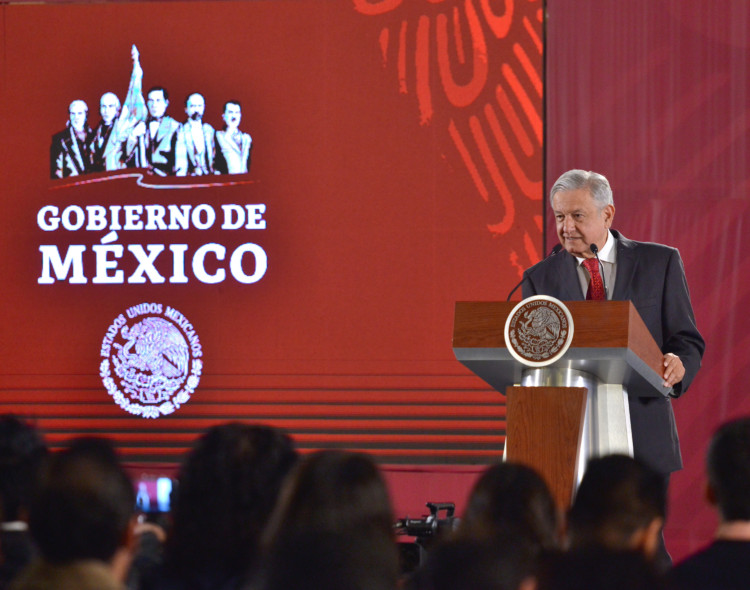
567	274
626	264
77	155
70	147
161	131
190	144
208	143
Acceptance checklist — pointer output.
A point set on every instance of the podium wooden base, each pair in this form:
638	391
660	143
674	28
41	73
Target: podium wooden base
545	427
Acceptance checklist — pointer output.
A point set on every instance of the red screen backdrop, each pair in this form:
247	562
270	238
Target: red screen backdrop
396	168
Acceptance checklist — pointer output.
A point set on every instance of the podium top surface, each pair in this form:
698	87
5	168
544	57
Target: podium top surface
610	341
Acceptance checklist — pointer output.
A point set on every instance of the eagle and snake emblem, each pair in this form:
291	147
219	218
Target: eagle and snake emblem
153	363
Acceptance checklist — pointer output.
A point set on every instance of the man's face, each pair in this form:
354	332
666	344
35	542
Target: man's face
78	113
232	115
108	107
157	104
195	107
580	222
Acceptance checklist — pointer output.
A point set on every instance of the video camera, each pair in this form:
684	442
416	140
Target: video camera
425	530
431	525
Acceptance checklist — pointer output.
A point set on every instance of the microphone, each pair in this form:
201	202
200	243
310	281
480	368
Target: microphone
595	249
554	251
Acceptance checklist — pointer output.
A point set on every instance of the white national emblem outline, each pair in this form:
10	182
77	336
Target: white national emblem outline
152	360
539	330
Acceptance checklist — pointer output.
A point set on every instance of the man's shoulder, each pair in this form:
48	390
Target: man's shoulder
626	243
83	575
549	263
723	561
98	129
652	252
170	123
61	136
204	126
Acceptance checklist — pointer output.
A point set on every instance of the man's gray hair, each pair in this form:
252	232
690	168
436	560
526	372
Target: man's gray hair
595	183
112	94
78	101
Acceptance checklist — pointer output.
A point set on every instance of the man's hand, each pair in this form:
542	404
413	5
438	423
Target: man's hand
136	62
674	370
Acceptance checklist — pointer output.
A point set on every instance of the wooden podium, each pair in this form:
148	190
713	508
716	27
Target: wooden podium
560	415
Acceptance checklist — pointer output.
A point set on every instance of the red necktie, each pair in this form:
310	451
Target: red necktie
596	286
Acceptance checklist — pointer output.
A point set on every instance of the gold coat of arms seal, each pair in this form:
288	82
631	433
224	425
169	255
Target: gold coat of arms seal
539	330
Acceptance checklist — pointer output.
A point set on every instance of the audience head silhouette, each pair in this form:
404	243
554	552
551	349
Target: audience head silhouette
84	505
511	501
333	490
22	450
332	528
728	469
226	491
620	504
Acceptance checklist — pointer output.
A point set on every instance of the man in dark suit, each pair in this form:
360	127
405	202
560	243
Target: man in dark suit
69	154
233	147
196	141
650	275
153	144
725	562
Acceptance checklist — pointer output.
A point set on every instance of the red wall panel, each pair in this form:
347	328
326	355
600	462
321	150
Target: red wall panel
655	96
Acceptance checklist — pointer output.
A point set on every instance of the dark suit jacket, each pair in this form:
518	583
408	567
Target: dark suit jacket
68	156
653	278
160	151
